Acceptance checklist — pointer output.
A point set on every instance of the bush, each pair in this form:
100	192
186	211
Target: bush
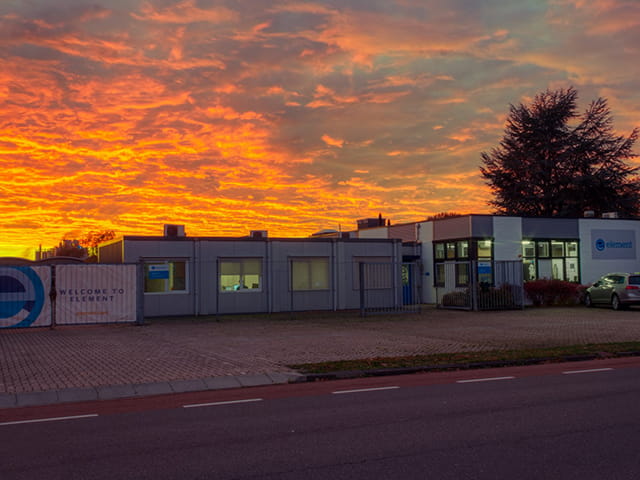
554	292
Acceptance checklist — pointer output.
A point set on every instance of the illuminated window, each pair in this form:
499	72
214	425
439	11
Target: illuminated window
167	276
558	257
557	249
543	249
240	274
463	249
484	249
310	273
528	249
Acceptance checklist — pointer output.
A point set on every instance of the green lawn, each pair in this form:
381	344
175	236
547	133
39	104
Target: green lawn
447	360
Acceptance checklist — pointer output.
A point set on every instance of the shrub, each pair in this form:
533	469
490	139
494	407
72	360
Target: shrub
553	292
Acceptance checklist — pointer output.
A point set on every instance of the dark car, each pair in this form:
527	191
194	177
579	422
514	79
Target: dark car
620	290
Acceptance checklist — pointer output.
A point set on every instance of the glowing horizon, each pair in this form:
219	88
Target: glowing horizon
283	116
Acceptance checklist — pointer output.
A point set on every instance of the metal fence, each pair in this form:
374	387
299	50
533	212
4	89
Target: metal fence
389	288
481	285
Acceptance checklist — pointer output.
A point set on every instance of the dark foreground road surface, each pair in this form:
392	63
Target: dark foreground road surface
570	421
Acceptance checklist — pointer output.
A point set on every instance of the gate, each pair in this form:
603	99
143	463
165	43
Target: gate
481	285
389	288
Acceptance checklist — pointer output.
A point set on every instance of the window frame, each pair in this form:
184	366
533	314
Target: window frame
171	276
242	261
308	260
571	252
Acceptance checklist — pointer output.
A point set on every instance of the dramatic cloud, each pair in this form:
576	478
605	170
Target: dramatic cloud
289	116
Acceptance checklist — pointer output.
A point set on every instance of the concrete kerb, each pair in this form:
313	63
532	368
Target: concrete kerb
111	392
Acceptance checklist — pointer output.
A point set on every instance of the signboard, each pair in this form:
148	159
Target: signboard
613	244
158	271
24	296
95	294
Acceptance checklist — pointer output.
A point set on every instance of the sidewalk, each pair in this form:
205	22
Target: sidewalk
43	366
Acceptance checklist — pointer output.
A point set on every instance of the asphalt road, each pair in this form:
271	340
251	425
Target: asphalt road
574	422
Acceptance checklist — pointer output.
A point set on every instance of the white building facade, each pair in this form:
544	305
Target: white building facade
577	250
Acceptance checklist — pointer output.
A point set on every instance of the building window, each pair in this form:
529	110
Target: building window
529	270
462	274
462	249
557	258
528	249
165	276
460	253
310	273
484	249
240	274
557	249
439	275
451	250
543	249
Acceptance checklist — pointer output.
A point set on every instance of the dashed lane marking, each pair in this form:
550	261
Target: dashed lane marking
489	379
229	402
359	390
51	419
591	370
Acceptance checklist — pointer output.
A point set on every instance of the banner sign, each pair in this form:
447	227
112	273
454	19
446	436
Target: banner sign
613	244
24	296
95	294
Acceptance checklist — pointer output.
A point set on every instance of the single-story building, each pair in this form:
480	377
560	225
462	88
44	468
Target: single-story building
219	275
573	249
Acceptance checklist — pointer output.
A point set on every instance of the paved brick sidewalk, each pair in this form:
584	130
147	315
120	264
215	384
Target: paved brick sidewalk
169	354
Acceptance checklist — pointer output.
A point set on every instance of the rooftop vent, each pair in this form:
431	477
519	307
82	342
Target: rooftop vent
610	215
174	231
258	234
589	214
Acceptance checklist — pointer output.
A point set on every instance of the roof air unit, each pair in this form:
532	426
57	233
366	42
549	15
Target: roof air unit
258	234
174	231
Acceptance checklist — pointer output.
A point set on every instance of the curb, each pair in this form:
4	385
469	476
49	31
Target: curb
340	375
112	392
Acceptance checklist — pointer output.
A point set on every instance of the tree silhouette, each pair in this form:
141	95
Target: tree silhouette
545	167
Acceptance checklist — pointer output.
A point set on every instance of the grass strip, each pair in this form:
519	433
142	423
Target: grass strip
558	353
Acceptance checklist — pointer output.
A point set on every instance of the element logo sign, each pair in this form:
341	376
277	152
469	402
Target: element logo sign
600	245
22	296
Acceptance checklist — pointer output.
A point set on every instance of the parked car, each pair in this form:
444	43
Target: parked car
620	290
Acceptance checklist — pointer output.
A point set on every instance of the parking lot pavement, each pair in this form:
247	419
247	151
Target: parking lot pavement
171	355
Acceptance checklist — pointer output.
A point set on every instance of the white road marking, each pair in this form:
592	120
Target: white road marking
51	419
489	379
338	392
571	372
229	402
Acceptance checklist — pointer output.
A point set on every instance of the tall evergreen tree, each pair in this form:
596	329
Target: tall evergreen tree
545	167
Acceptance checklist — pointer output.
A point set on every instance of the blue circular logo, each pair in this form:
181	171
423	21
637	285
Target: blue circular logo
22	296
600	245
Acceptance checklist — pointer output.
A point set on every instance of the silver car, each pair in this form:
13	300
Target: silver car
616	289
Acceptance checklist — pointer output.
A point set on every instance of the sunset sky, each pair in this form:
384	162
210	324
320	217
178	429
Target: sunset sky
290	116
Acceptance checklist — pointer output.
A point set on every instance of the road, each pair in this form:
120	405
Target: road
570	421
